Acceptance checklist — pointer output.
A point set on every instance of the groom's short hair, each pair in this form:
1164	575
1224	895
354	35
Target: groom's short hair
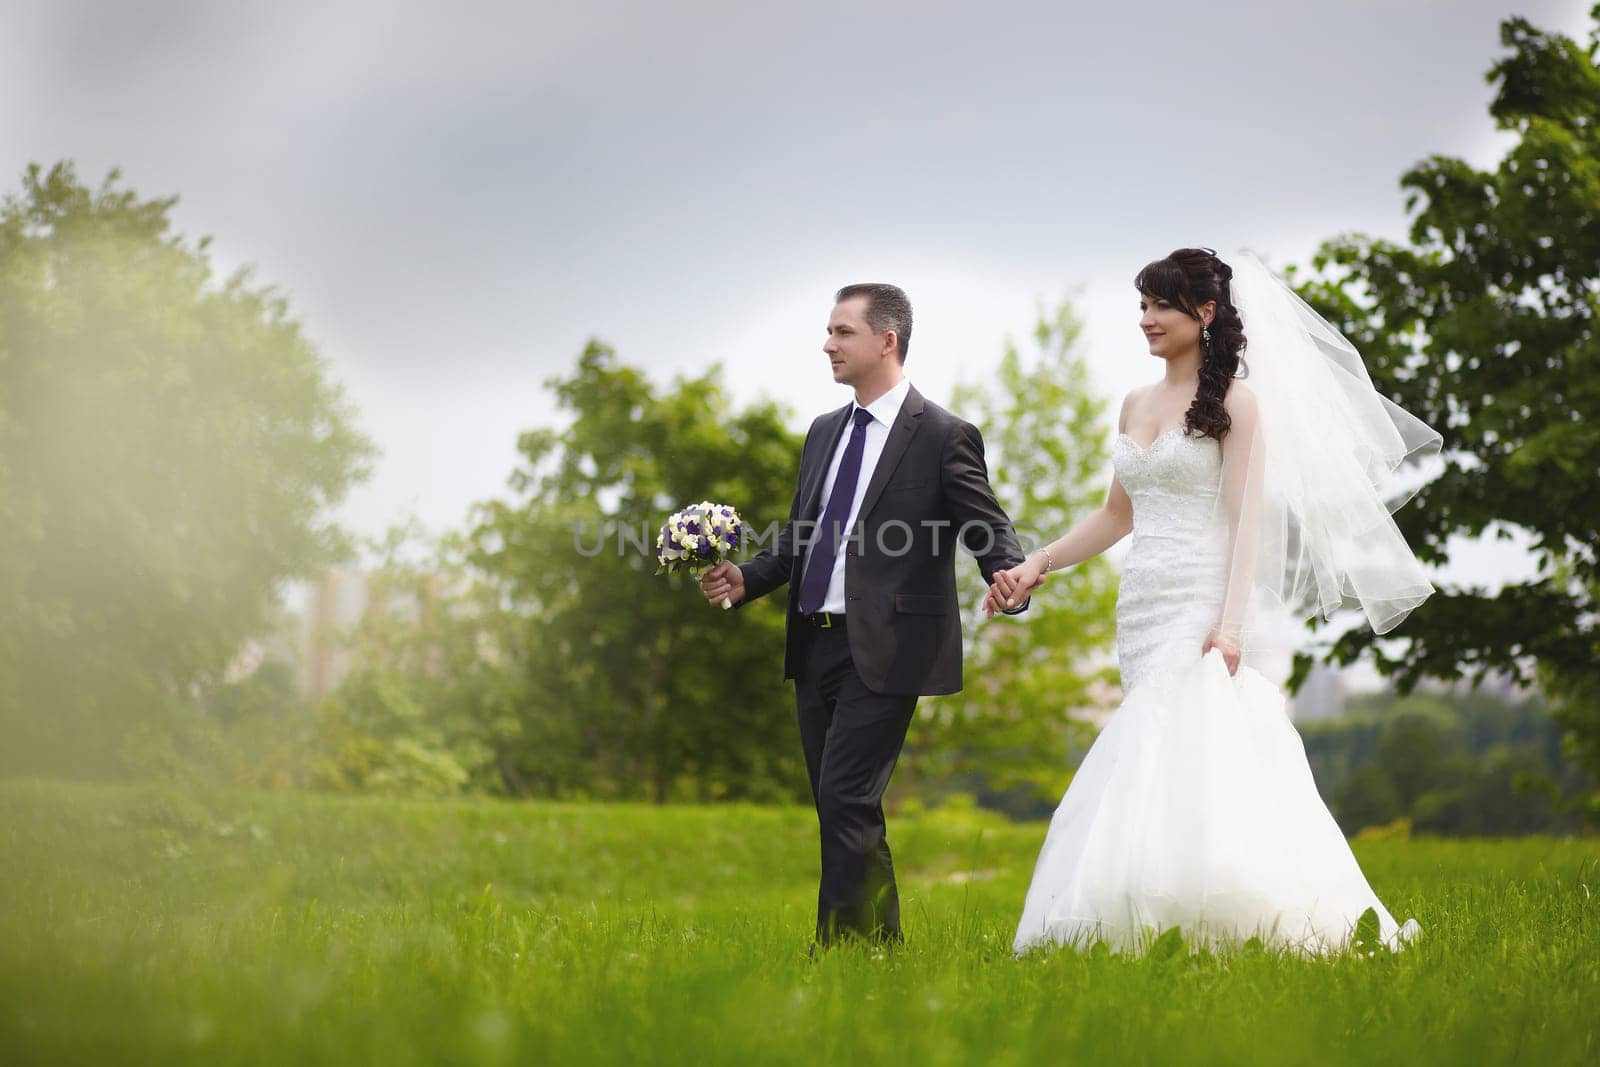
888	308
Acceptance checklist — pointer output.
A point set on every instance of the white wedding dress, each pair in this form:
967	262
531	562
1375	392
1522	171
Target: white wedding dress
1195	806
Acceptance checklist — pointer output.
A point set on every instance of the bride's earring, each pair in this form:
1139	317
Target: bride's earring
1205	336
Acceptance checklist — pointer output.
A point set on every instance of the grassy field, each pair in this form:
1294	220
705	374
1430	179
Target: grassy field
141	925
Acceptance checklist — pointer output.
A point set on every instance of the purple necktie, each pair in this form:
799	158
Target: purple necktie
819	571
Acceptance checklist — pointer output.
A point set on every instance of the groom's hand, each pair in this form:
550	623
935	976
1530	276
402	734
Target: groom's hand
1017	584
723	580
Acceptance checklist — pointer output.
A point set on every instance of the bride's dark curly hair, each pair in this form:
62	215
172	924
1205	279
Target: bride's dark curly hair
1187	279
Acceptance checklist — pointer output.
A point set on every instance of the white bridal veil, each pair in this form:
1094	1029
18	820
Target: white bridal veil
1306	498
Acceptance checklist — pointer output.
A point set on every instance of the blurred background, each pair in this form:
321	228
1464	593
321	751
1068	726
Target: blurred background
350	356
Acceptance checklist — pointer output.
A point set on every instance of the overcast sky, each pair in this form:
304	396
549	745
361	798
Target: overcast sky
457	196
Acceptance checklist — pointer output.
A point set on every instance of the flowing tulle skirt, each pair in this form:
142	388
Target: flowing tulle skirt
1196	808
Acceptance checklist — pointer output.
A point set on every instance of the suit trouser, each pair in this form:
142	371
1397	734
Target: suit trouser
852	737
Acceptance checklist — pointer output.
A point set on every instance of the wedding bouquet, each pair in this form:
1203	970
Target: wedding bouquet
698	538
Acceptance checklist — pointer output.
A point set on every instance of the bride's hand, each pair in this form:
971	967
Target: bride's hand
1014	585
1225	645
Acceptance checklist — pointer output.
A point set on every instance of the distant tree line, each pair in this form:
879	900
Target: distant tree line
1453	763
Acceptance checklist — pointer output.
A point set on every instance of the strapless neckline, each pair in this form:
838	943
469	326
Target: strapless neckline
1156	440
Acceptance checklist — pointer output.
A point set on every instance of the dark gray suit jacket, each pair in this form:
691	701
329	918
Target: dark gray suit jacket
929	490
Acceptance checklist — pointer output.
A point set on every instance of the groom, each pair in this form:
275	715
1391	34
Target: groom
888	484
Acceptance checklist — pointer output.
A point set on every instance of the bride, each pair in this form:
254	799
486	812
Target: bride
1257	492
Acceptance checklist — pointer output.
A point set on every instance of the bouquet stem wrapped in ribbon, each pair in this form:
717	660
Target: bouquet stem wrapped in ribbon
698	538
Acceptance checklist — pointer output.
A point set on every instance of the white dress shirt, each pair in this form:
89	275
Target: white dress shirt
884	411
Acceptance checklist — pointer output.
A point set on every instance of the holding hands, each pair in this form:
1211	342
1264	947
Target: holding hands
1012	587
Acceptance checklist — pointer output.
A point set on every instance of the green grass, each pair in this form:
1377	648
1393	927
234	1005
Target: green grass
143	925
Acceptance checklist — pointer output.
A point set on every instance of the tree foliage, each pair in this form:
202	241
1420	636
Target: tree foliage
170	444
630	685
1484	325
1447	762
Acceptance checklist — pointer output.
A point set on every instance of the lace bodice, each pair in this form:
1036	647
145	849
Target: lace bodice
1173	579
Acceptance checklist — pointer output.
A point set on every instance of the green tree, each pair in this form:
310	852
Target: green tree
649	690
1483	324
252	731
1016	726
1451	761
1367	798
169	447
1413	753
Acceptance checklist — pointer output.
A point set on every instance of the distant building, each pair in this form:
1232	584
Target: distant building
1498	684
333	607
314	639
1321	695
